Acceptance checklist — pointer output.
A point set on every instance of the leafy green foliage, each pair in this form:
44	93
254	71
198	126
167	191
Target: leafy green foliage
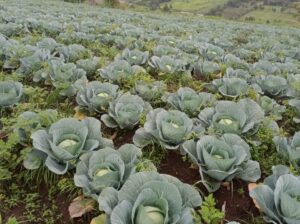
208	213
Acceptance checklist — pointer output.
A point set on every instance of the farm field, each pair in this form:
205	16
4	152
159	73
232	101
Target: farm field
202	6
117	117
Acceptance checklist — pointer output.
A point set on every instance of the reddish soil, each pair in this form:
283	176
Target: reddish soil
238	204
123	137
175	166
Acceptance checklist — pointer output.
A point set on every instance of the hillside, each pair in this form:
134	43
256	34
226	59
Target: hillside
276	12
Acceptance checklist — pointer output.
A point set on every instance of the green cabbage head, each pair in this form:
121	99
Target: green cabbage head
222	159
125	111
10	93
231	117
167	128
278	197
106	167
189	101
60	147
150	198
95	96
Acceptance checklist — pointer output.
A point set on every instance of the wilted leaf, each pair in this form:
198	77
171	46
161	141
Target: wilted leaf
80	206
101	219
113	136
251	187
79	115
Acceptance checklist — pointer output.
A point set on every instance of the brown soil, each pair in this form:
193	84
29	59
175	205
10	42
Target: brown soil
238	205
174	165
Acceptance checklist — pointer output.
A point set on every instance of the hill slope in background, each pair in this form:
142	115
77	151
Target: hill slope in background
277	12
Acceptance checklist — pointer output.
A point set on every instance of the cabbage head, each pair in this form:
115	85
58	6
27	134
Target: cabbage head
150	198
278	197
95	96
231	117
273	85
222	159
125	111
134	57
106	167
189	101
230	87
60	147
10	93
167	128
167	64
118	71
150	92
289	147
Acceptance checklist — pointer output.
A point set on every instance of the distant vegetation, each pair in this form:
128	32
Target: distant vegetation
279	12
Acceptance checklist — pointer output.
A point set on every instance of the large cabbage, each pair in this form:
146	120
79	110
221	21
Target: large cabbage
278	197
125	111
106	167
150	198
95	96
167	128
231	117
222	159
60	147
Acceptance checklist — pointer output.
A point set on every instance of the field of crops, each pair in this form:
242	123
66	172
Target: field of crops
117	117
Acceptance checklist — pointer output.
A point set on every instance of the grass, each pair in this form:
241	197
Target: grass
274	17
201	6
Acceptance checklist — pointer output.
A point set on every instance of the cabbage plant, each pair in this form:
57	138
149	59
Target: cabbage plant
289	148
29	122
203	69
296	104
271	107
10	93
231	117
230	87
118	71
189	101
222	159
66	140
211	52
150	91
66	77
95	96
167	64
278	197
237	73
273	85
134	57
167	128
125	111
73	52
89	65
149	197
294	85
106	167
35	64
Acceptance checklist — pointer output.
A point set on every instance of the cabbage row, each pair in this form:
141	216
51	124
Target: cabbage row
200	87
